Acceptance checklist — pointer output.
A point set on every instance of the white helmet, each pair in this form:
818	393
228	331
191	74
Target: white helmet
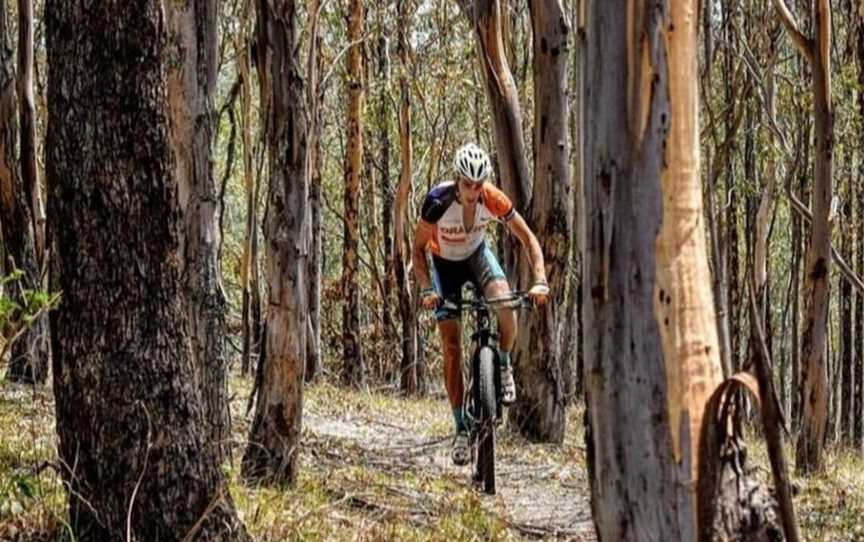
472	162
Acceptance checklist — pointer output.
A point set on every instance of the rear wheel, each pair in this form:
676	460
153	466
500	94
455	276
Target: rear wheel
487	422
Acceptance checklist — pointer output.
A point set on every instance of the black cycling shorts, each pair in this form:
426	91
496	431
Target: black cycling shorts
448	277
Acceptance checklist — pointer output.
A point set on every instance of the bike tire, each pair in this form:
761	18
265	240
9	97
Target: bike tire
488	410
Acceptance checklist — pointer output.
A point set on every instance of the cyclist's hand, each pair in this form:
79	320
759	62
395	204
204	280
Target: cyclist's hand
429	299
539	293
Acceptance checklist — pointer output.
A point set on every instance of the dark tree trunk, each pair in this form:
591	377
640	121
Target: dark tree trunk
729	200
539	409
129	421
192	87
20	207
274	439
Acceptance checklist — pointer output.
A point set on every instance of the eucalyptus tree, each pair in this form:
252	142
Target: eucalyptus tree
132	440
191	88
651	349
274	438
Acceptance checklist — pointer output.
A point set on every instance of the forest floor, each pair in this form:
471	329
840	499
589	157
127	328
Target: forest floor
375	466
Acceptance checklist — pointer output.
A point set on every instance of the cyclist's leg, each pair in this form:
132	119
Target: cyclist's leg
489	276
492	279
448	277
451	350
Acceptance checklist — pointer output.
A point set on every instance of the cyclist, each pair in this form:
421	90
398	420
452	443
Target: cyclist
452	227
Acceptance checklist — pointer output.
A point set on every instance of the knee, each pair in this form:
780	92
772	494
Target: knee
508	321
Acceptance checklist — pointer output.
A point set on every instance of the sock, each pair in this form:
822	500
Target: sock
459	420
504	358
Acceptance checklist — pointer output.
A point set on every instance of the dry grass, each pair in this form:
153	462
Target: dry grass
375	467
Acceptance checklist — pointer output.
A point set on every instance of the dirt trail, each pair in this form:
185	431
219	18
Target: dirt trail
538	496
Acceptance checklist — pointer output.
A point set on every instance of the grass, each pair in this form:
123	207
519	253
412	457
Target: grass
359	481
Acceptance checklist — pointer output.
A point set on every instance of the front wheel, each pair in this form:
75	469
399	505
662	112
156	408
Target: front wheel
487	419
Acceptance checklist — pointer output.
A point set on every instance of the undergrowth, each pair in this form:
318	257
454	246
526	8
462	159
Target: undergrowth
359	479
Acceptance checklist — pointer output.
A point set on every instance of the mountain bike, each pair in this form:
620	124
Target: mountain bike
482	407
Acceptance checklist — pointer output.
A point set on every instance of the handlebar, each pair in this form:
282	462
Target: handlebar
513	300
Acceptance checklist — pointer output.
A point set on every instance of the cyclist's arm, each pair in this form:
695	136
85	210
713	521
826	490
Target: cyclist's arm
422	236
531	245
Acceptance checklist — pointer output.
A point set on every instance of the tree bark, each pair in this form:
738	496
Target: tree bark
504	104
411	374
27	113
683	301
248	259
274	439
386	188
572	362
353	370
847	369
859	251
814	340
191	94
539	410
729	199
130	425
651	353
315	160
30	354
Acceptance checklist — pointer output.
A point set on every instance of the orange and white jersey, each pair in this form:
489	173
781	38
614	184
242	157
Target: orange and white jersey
442	208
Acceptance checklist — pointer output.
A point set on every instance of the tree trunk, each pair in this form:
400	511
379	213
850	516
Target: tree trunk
316	164
30	353
248	259
765	211
411	381
539	410
729	200
129	421
651	348
504	104
814	341
27	112
684	300
387	196
570	323
847	370
191	94
859	252
354	370
274	439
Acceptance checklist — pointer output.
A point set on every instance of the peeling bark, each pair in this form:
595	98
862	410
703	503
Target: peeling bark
638	488
191	93
274	438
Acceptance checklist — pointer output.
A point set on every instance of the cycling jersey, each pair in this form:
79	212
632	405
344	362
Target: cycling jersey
442	208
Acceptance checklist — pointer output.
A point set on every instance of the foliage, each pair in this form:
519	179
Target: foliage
18	312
